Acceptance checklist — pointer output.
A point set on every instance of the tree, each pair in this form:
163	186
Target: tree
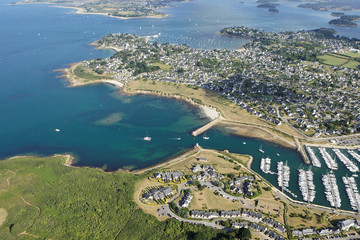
243	234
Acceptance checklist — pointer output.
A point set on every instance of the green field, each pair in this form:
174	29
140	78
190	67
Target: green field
46	199
343	60
89	75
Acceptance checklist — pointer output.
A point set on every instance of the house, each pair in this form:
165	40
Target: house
325	231
186	200
308	231
157	194
242	224
203	214
230	214
345	225
297	233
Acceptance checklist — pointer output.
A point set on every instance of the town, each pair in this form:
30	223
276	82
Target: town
285	77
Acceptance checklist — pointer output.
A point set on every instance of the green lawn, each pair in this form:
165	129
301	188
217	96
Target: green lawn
333	59
78	203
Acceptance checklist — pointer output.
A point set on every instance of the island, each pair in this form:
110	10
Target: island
270	6
346	21
331	5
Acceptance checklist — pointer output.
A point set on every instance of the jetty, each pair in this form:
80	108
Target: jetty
205	127
330	162
265	165
346	161
315	161
306	185
352	192
331	190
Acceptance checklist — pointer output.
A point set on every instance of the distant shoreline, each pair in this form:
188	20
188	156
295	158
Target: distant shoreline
80	10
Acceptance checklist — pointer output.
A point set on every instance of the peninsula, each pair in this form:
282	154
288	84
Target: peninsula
291	78
119	9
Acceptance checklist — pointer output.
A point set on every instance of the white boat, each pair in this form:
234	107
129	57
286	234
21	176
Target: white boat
260	149
147	138
57	130
205	137
244	143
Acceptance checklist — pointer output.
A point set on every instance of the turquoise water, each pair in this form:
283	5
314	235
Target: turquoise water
97	124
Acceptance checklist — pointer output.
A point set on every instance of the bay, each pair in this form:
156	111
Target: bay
101	127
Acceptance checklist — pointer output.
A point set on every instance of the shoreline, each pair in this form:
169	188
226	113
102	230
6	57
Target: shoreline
174	159
69	159
78	82
80	10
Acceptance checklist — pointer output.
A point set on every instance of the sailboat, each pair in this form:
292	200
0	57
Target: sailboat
205	137
260	149
147	138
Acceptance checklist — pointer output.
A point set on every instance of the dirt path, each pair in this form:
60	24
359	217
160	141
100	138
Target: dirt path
28	234
8	179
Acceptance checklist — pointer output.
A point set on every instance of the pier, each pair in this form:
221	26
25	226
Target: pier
331	190
315	161
352	192
205	127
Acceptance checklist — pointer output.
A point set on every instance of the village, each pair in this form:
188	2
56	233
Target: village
280	78
217	189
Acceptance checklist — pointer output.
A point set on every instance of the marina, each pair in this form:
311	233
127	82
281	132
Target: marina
352	192
349	164
314	159
331	190
306	185
329	161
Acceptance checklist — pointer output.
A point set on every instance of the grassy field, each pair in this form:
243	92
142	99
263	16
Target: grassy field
44	198
213	158
344	60
206	199
88	75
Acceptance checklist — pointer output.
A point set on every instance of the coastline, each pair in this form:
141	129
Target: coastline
177	158
80	10
77	82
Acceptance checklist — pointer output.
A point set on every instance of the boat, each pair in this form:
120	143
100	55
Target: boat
244	143
147	138
278	154
260	149
205	137
57	130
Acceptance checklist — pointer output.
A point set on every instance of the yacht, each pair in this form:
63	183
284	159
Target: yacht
205	137
147	138
260	149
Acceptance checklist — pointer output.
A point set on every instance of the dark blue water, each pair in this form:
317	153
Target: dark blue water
37	39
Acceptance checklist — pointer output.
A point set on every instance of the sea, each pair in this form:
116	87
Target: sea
41	115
